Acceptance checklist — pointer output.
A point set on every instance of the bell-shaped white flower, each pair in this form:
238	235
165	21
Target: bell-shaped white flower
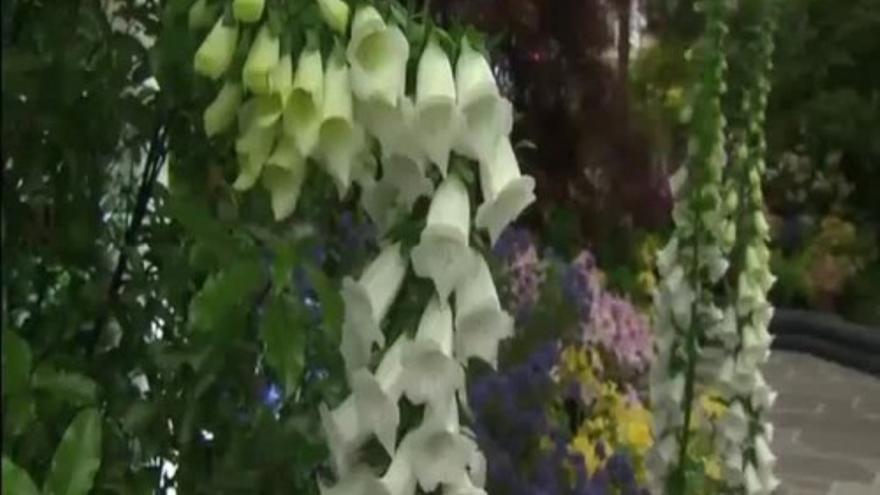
669	393
378	54
679	296
376	396
302	116
763	454
283	177
443	254
753	483
379	200
480	322
407	175
439	452
735	423
463	487
339	140
248	10
215	53
335	14
755	345
253	149
201	15
763	397
487	116
262	58
677	181
398	478
437	121
269	107
344	433
667	258
220	114
367	302
431	374
506	193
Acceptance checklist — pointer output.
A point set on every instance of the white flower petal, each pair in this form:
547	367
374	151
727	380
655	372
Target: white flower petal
340	140
379	200
440	453
303	113
437	121
378	54
480	322
408	178
442	253
343	432
753	483
262	58
367	302
506	193
283	177
431	373
220	114
376	397
253	149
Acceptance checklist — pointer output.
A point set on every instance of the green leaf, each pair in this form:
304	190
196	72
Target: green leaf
16	480
223	295
75	388
77	458
331	301
283	332
16	363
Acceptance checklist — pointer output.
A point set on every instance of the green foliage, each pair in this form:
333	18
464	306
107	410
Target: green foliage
17	480
77	457
283	330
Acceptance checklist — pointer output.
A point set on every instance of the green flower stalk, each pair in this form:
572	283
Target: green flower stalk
215	54
220	114
248	11
262	58
748	459
691	326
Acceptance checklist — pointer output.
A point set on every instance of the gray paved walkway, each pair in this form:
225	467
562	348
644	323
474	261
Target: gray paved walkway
827	422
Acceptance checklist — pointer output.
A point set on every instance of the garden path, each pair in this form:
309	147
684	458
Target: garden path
827	422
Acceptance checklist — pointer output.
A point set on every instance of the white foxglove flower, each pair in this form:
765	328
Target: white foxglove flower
367	302
480	323
340	140
201	15
261	61
344	433
283	177
677	181
398	478
735	423
281	80
248	10
408	177
486	115
376	396
463	487
753	483
253	149
506	193
437	121
391	125
669	393
713	258
379	200
431	374
667	257
763	454
215	53
763	397
755	345
443	254
302	116
679	297
439	452
378	54
220	114
335	14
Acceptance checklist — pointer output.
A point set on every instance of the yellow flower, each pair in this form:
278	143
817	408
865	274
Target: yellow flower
582	445
634	427
712	405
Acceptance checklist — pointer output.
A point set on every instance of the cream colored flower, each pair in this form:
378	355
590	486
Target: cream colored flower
335	14
506	193
343	432
215	53
302	115
443	254
220	114
283	177
367	302
376	396
340	140
248	10
377	54
431	374
261	61
437	121
480	322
